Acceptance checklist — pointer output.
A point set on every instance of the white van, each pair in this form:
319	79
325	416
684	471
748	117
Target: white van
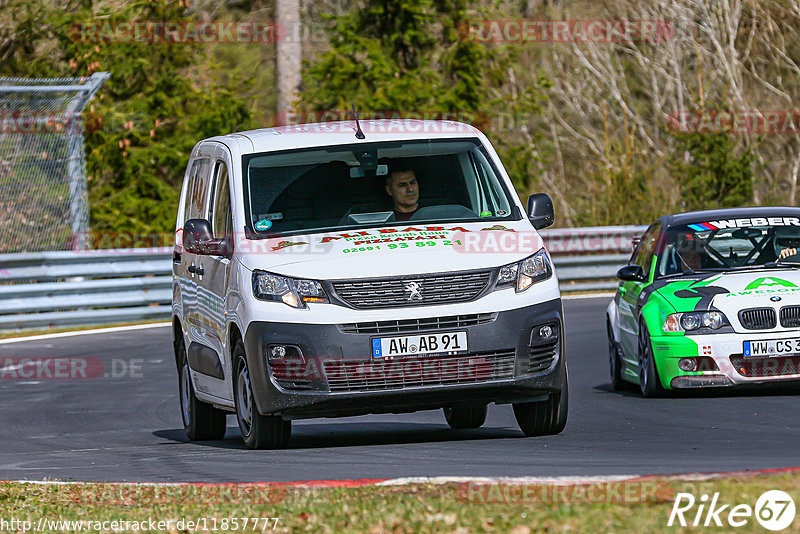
337	269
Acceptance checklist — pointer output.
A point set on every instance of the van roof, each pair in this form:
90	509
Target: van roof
343	132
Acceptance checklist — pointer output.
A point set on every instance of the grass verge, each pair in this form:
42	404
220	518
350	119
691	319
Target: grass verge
642	505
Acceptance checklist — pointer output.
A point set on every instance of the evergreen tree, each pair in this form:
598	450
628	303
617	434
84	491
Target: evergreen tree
713	171
144	121
404	56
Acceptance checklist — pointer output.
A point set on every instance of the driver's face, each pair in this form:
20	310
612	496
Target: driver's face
404	190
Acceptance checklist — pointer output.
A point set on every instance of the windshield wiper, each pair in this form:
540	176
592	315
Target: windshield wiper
778	264
690	273
768	265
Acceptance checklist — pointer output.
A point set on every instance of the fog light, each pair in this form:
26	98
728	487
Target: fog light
687	365
545	331
278	351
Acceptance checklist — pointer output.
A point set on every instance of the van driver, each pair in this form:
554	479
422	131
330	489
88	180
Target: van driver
402	186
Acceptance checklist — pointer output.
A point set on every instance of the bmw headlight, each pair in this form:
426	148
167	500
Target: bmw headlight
290	291
686	322
525	273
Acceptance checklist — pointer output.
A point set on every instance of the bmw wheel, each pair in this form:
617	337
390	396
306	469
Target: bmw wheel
649	382
614	360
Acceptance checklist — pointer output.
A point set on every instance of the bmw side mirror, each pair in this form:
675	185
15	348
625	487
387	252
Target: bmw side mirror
540	210
631	273
198	239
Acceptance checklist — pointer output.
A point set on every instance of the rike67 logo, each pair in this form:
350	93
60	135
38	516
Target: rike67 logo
774	510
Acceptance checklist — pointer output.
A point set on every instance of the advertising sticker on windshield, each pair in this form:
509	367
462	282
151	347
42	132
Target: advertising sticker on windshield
744	223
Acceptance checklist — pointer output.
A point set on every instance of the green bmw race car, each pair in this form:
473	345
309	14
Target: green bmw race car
708	299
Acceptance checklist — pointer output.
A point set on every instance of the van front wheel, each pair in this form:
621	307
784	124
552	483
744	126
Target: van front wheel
546	417
465	416
258	431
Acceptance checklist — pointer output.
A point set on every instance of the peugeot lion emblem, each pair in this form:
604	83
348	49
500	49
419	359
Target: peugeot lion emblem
415	291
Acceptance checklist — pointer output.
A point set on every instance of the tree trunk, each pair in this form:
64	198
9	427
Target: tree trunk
288	52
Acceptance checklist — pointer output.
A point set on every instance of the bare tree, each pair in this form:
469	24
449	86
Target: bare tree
610	101
289	51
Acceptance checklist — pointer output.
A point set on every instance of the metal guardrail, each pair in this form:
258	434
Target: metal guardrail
62	289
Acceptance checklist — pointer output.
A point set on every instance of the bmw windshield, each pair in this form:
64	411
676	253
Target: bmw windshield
734	244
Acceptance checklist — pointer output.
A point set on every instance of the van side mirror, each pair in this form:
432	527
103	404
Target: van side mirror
631	273
198	239
540	210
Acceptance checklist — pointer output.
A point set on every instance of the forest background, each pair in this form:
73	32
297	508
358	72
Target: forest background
616	131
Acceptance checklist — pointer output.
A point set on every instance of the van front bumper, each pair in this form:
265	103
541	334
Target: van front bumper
328	370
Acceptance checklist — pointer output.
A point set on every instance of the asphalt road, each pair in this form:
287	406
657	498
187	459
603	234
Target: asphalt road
128	428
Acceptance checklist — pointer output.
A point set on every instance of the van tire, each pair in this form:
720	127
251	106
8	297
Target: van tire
465	416
258	431
201	421
544	418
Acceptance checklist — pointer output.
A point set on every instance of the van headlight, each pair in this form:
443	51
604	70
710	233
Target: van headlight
686	322
525	273
290	291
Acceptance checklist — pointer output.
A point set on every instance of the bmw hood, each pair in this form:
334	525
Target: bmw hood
734	291
406	249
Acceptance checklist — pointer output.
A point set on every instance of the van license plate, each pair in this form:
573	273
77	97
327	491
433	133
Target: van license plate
771	347
422	344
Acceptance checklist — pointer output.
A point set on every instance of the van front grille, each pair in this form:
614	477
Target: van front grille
400	373
404	326
423	290
541	357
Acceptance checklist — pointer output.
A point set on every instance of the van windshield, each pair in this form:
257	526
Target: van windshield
372	184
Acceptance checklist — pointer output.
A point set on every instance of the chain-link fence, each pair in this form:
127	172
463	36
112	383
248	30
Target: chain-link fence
43	199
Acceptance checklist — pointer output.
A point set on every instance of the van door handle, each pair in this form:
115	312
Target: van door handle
192	269
199	270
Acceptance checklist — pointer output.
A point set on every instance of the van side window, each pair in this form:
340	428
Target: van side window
196	190
220	212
